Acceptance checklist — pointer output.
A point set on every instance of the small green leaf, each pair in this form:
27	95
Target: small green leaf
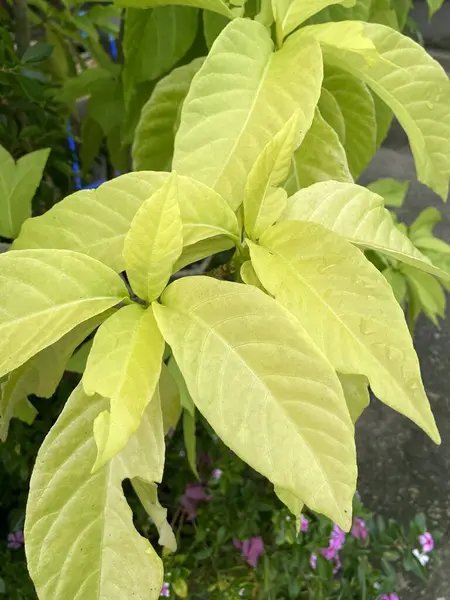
356	394
154	241
358	108
397	282
37	53
249	276
155	133
215	5
321	157
77	362
429	293
18	184
226	121
148	495
331	111
359	215
289	14
80	538
434	6
423	226
190	440
339	295
200	250
170	400
263	386
392	191
123	365
185	397
264	203
46	293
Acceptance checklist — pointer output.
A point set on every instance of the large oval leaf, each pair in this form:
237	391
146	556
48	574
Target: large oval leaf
155	133
413	85
46	293
80	539
348	309
263	386
358	215
215	5
239	100
124	365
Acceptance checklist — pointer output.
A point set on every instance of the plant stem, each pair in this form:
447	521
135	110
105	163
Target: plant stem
21	26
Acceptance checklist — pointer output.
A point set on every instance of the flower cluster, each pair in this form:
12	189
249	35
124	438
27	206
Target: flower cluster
15	540
427	543
251	549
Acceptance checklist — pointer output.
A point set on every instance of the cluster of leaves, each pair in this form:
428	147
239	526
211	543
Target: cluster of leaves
238	504
279	359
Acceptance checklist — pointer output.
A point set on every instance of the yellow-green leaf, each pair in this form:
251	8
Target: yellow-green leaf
170	400
392	191
292	502
155	132
41	374
434	6
239	100
348	308
93	222
321	157
215	5
428	291
148	495
123	365
213	23
289	14
80	538
331	111
190	442
264	203
18	184
357	214
413	85
356	394
264	388
202	249
154	242
46	293
358	109
249	276
185	397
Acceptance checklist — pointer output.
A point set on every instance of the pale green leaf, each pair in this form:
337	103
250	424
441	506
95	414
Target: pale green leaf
359	215
383	118
185	397
155	132
348	308
93	222
204	213
46	293
434	6
190	440
239	100
264	388
40	375
123	365
148	495
359	12
77	362
429	293
80	538
249	276
397	282
356	394
414	86
427	244
18	184
154	41
218	6
264	203
154	241
332	113
289	14
170	400
358	108
201	250
292	502
213	23
382	12
424	224
321	157
392	191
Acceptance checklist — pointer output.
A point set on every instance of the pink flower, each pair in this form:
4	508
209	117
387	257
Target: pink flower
427	542
251	549
337	564
313	560
15	540
359	529
217	474
194	493
304	524
165	591
389	597
329	553
337	538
